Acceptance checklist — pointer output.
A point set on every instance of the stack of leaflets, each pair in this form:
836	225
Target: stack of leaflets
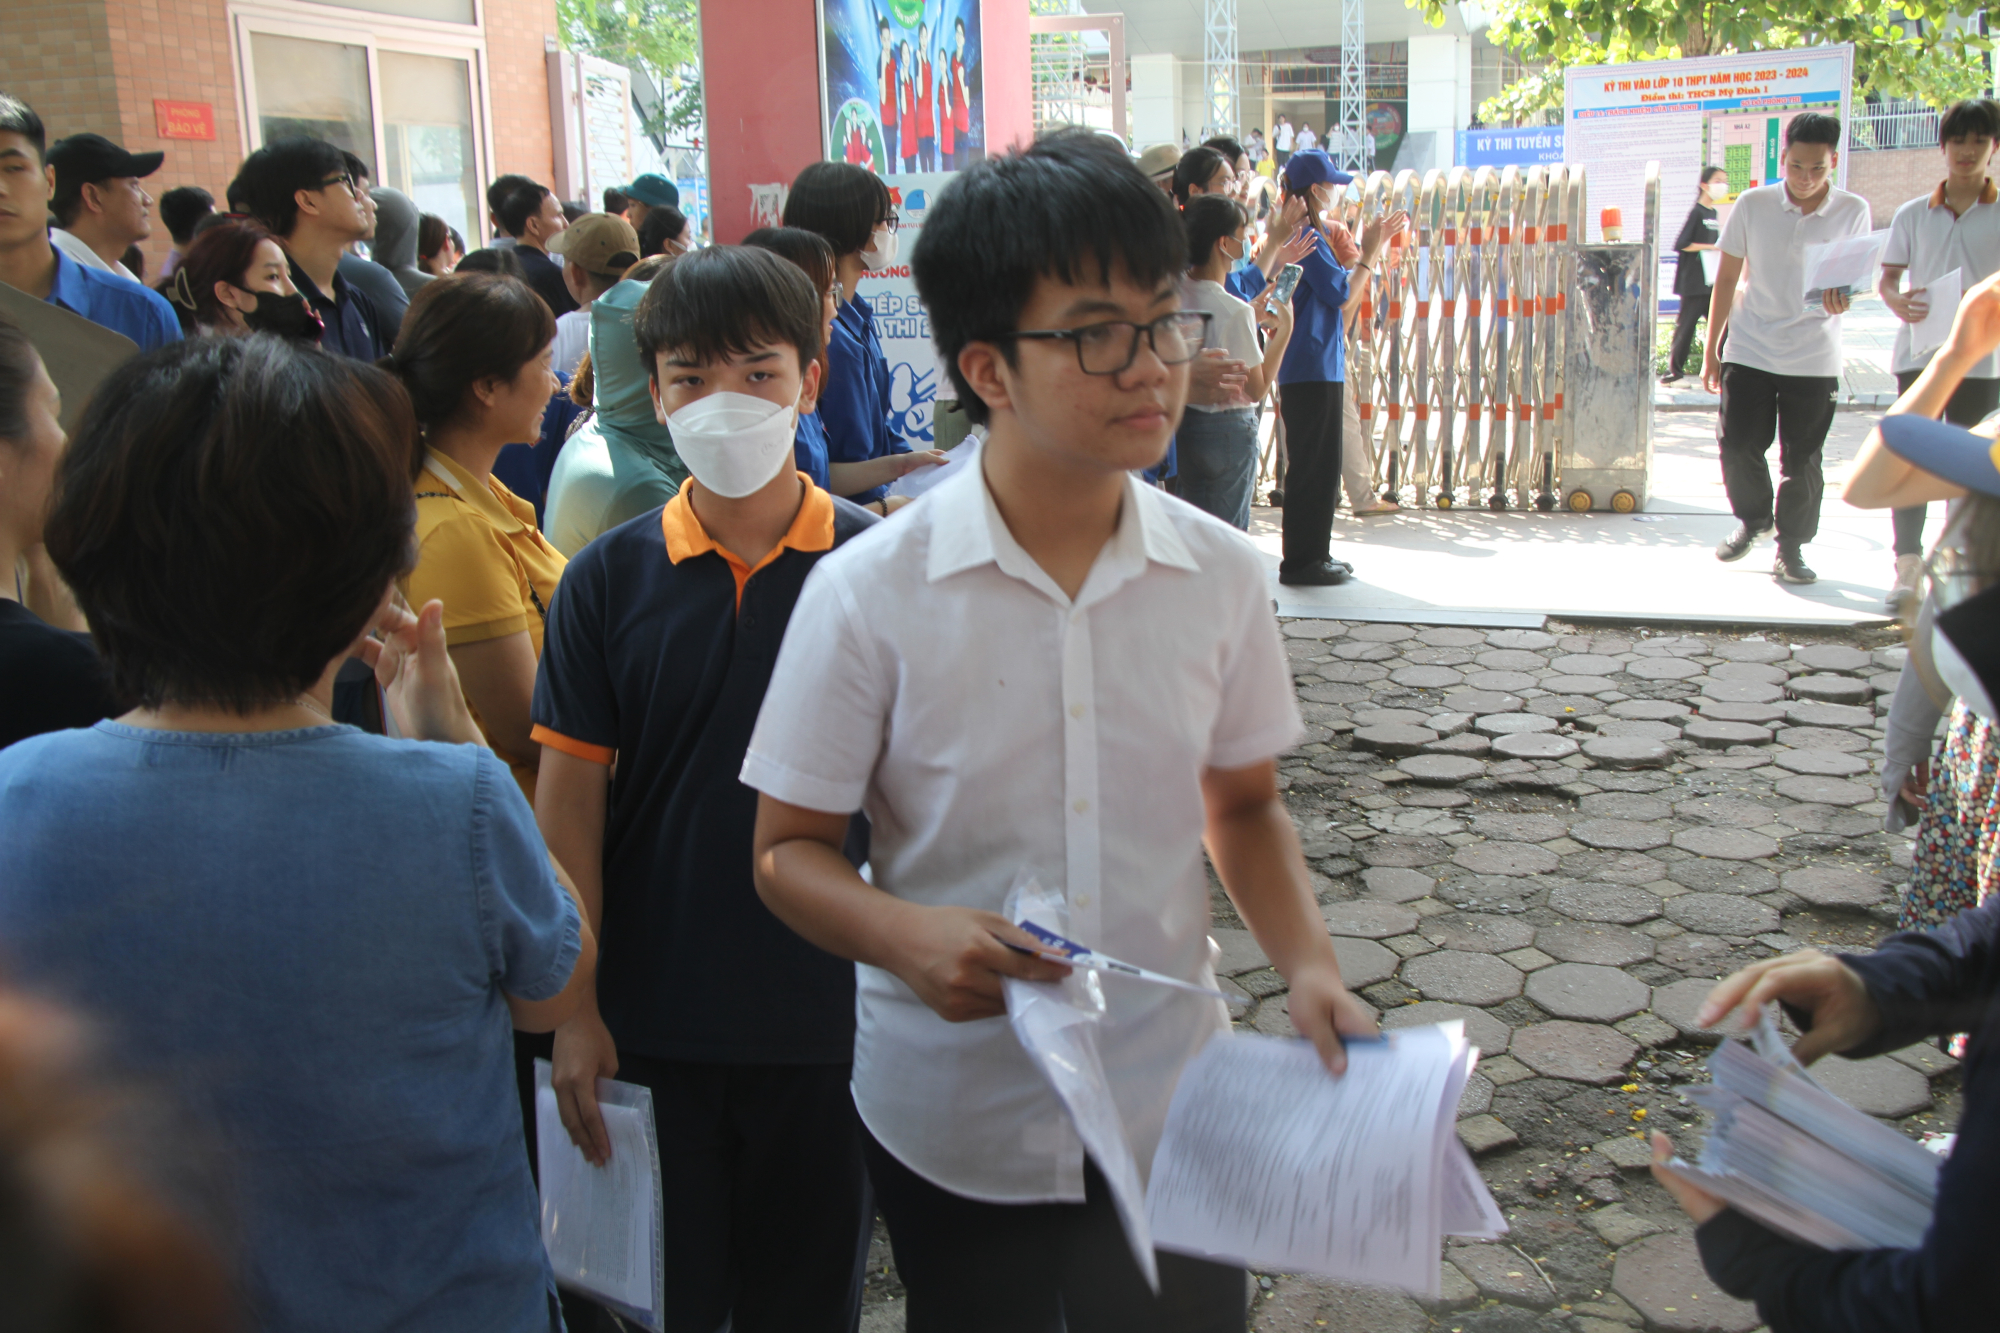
1789	1153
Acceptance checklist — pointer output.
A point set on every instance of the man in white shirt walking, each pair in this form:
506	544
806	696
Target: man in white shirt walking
1955	226
1307	140
1782	372
1044	666
1281	142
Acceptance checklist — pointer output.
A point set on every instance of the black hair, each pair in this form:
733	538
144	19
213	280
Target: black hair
502	186
1709	173
17	117
663	223
356	168
1814	127
182	207
1073	206
615	202
504	263
724	301
522	205
1974	118
233	197
1196	167
461	330
273	175
808	249
841	201
1208	218
1228	147
18	360
244	609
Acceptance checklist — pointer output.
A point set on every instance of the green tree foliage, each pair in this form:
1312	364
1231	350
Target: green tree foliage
1919	50
660	37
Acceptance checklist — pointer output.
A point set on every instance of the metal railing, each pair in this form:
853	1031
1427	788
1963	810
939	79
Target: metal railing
1881	125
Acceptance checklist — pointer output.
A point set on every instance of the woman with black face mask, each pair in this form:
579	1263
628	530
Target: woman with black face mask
235	279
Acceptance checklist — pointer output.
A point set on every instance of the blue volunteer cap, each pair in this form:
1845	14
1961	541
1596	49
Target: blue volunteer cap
1943	450
1312	167
654	191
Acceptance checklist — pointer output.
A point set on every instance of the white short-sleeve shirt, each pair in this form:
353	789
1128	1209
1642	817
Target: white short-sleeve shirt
572	340
1282	137
1307	140
1770	326
1233	327
935	677
1928	240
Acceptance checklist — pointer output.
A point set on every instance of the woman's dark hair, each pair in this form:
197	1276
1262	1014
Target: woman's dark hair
1974	118
615	202
463	329
1208	218
814	257
1814	127
500	263
1196	167
842	202
18	360
1709	173
433	233
229	514
273	175
1230	148
1074	207
663	223
726	300
222	253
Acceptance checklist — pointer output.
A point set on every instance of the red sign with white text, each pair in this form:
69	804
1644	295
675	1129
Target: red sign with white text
184	120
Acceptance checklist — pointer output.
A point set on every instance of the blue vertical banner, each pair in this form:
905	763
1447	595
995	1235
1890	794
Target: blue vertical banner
915	378
903	91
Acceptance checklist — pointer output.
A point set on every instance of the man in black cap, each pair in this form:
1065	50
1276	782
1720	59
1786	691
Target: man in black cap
100	207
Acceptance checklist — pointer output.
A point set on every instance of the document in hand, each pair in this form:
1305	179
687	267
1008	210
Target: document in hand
1943	294
1801	1161
601	1224
1846	264
1271	1162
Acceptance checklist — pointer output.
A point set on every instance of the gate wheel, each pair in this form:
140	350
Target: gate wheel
1580	502
1623	502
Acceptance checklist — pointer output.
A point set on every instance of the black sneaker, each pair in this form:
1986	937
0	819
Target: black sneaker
1790	567
1277	500
1738	543
1326	574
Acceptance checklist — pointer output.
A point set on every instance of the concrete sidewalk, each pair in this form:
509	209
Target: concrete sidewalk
1867	338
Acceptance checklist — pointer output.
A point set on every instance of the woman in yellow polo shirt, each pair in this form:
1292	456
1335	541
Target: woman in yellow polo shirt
474	354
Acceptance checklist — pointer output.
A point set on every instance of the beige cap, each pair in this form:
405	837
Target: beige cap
600	244
1159	159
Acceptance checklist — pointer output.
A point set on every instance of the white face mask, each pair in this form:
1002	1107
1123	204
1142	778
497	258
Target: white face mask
881	251
1718	188
734	443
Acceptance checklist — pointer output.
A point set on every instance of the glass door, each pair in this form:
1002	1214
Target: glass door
316	88
427	134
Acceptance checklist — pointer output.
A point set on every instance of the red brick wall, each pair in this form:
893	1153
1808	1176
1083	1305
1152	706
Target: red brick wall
1893	176
55	55
517	33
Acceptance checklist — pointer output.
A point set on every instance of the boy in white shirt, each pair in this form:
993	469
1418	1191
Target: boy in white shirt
1042	665
1782	375
1955	226
1281	141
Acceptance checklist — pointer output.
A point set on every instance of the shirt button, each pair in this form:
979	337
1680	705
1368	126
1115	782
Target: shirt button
1076	710
1081	806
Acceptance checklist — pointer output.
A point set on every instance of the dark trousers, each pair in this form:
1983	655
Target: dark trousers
1312	470
768	1211
1970	403
1798	409
974	1267
1694	309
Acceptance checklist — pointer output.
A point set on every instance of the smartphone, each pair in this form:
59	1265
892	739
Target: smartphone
1287	283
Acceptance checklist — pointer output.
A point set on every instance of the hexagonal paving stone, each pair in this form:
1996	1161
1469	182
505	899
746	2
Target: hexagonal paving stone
1624	805
1368	715
1479	702
1482	1029
1820	738
1477	1097
1757	714
1808	713
1648	710
1605	902
1727	811
1890	659
1722	914
1451	636
1393	738
1727	844
1520	638
1382	633
1460	977
1465	743
1369	920
1847	823
1831	657
1822	763
1478	932
1628	752
1426	677
1519	828
1513	724
1663	668
1652	731
1578	1052
1587	992
1406	852
1534	745
1363	962
1741	691
1591	942
1506	858
1441	770
1751	650
1333	694
1239	952
1833	886
1311	629
1770	675
1679	1002
1715	735
1502	1275
1722	876
1663	1279
1586	664
1625	835
1502	681
1511	659
1396	884
1587	685
1680	645
1831	689
1824	791
1564	707
1881	1086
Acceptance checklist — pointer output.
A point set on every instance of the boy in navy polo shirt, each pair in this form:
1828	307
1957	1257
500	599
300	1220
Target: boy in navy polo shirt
659	646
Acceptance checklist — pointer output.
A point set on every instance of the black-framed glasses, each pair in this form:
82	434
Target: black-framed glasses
342	179
892	222
1110	348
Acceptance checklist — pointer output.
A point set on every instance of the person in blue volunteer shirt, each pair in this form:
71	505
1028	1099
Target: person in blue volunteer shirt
30	264
1311	380
851	208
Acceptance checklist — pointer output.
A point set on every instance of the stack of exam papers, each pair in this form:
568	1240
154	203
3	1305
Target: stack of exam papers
1789	1153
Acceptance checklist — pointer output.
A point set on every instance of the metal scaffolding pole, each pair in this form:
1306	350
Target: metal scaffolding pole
1355	146
1219	67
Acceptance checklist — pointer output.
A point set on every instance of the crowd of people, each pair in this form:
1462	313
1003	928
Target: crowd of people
426	662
